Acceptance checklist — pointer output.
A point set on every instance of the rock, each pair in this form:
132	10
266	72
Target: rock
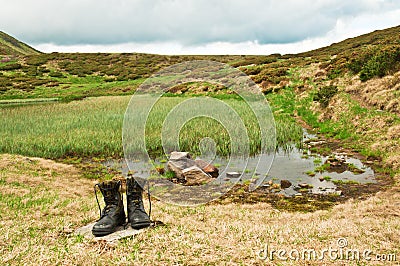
232	174
178	166
207	167
195	176
336	161
211	170
160	170
121	232
200	163
195	172
178	155
321	178
304	185
338	192
285	183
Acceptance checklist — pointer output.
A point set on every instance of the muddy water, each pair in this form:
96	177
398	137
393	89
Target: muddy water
294	166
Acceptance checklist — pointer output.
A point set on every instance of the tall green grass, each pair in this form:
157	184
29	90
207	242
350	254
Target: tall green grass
93	127
90	127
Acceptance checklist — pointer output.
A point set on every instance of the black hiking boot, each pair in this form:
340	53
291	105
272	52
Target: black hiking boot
113	214
137	216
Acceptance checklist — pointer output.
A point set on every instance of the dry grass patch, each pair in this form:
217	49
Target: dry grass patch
379	93
38	217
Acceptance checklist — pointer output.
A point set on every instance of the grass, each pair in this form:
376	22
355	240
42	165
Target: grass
310	173
317	161
327	178
50	200
341	182
27	101
75	88
92	128
322	168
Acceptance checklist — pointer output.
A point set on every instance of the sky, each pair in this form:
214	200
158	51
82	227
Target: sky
193	26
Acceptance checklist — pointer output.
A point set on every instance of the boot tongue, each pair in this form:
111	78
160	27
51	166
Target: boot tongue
110	192
109	198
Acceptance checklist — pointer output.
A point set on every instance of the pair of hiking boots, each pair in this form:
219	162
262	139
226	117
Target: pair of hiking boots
113	214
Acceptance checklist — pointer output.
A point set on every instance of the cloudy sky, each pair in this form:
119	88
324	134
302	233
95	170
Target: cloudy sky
193	26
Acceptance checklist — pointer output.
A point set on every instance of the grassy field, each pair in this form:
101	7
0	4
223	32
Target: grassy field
57	198
93	128
43	202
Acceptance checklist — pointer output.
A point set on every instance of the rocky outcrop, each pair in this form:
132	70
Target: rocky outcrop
179	161
195	176
207	167
194	172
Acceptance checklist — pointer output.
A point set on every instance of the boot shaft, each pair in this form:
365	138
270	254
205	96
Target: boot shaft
137	216
133	190
113	214
110	192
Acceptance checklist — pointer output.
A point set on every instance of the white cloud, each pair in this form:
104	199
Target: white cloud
193	26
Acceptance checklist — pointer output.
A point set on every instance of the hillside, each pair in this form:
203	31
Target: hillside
11	46
75	76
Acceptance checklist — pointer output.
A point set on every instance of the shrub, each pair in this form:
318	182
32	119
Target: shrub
324	95
12	66
56	74
381	64
37	60
375	62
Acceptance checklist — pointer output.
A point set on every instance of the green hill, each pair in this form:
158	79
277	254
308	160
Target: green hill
32	74
11	46
389	36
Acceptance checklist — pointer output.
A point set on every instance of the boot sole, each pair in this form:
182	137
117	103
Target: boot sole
99	233
141	225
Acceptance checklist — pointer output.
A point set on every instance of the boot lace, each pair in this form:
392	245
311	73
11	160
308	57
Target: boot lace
136	201
108	198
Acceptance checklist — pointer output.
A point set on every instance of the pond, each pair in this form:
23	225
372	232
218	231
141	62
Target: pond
292	172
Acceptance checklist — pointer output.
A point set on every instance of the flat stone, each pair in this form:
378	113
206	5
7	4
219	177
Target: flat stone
179	155
195	176
207	167
232	174
178	166
120	233
304	185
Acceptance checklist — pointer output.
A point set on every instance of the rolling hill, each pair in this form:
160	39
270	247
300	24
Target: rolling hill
68	76
11	46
